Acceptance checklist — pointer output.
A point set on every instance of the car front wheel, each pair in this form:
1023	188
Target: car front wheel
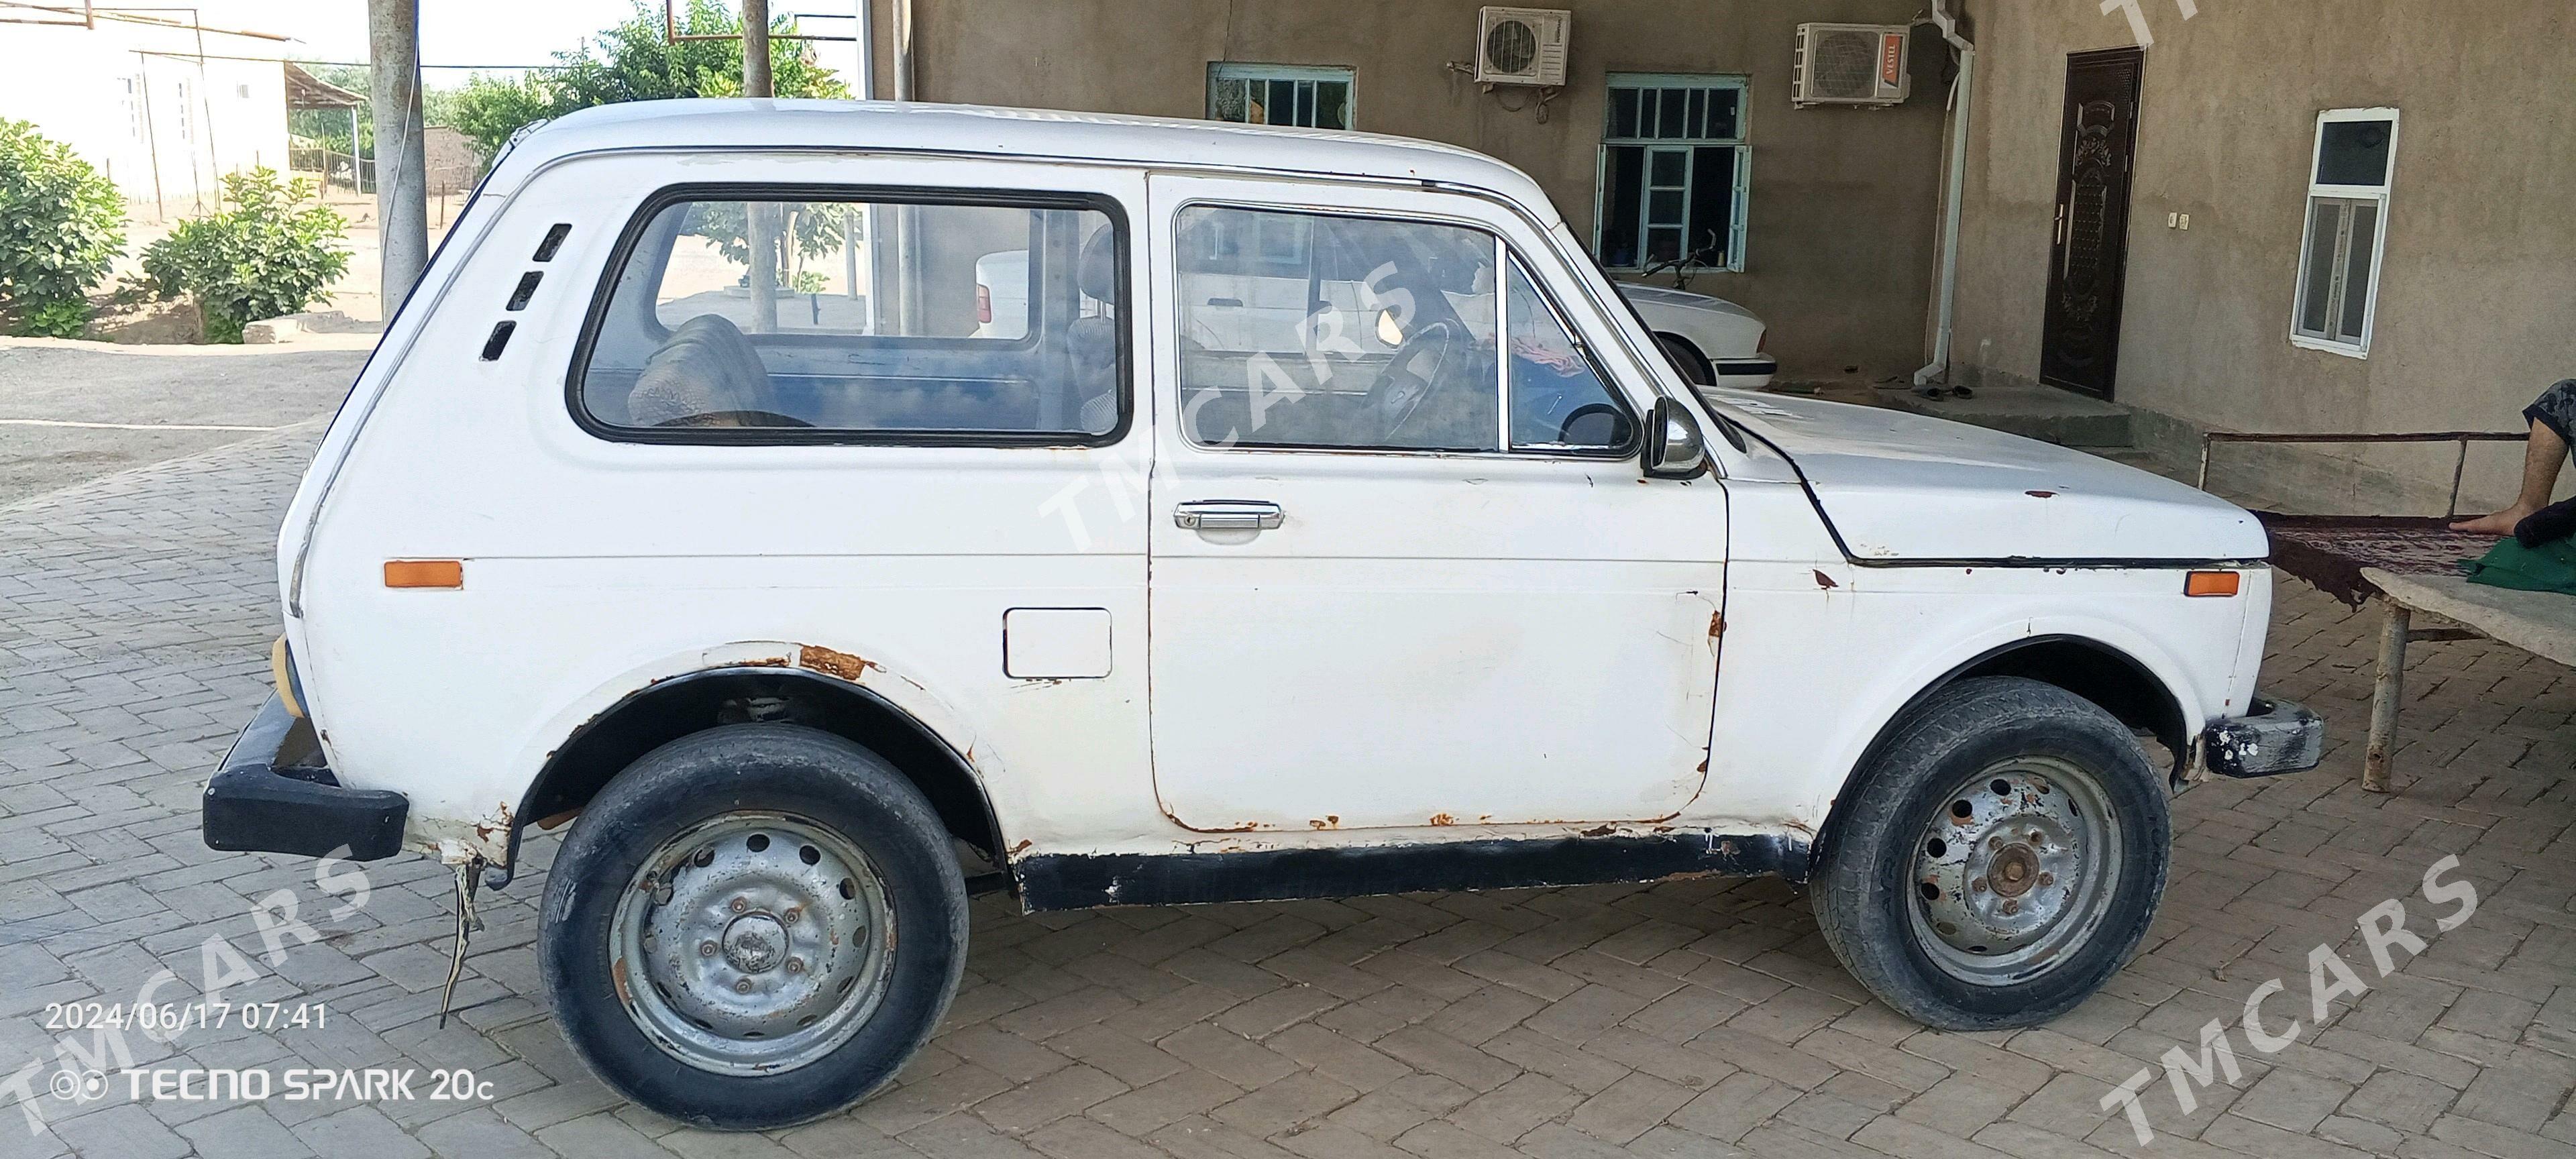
2003	856
753	926
1686	358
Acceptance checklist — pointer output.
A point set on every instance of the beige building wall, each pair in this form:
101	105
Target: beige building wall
136	101
1840	235
2477	295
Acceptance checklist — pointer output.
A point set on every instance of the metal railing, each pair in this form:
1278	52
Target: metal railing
2459	466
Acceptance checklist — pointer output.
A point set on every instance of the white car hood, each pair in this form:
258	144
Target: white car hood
1900	486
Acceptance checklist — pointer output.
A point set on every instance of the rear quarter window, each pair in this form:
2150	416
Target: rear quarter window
840	315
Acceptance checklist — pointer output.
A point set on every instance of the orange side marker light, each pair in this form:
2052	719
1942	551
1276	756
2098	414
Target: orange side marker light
2211	583
424	573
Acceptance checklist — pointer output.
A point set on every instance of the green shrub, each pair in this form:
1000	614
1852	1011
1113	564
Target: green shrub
61	224
269	252
60	318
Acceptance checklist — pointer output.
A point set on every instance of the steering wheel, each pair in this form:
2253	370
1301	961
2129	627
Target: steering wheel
1596	424
735	418
1398	391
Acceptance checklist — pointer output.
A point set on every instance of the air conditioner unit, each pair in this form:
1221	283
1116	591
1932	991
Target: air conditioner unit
1522	46
1851	64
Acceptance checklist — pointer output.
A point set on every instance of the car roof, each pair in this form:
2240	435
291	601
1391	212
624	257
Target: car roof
1034	134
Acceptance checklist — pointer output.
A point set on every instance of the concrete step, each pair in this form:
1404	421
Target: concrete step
2038	412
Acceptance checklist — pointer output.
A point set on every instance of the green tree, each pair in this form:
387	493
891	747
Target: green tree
634	61
61	224
489	109
271	251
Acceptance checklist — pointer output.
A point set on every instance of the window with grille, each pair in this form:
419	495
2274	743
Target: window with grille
1275	94
2347	230
1674	173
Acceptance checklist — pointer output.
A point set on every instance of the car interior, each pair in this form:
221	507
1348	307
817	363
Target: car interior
680	345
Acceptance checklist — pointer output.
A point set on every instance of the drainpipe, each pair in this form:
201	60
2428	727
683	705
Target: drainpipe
1960	92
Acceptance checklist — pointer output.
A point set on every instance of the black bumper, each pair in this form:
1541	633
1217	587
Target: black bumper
275	794
2277	737
1762	365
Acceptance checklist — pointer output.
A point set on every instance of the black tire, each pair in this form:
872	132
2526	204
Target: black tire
1686	358
1865	893
819	779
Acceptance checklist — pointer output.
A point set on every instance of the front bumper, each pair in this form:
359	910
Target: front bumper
274	793
2277	737
1749	373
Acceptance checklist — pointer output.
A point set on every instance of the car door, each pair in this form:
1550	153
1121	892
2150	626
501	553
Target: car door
1404	569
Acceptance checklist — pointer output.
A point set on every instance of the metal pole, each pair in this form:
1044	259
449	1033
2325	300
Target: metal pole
2385	693
2459	468
357	183
863	83
151	137
402	198
759	217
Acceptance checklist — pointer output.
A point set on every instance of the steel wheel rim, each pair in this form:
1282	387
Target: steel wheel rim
2015	869
752	943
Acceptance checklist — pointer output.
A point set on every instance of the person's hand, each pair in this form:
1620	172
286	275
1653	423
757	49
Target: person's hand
2500	524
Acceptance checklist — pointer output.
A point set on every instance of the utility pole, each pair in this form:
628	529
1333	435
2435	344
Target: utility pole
402	194
760	216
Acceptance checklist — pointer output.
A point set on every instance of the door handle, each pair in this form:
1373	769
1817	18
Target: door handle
1227	515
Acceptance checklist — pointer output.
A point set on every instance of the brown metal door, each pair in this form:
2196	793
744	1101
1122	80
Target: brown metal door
2080	340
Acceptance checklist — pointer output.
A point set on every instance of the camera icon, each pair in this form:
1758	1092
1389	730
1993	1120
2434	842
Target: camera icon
79	1086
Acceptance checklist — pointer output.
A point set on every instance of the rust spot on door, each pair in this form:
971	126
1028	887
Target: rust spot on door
1716	624
1443	819
2041	494
1825	581
1327	821
830	662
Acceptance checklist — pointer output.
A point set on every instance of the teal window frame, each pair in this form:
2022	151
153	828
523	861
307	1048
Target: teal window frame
1698	128
1303	81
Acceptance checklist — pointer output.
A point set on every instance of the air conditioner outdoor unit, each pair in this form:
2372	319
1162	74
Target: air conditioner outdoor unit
1851	64
1522	46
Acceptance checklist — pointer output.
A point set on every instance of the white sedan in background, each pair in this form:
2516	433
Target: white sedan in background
1714	342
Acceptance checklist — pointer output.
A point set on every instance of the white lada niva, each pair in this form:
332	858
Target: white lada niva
1322	523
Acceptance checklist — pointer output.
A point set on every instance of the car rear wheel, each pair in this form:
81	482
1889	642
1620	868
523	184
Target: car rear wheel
753	926
2004	854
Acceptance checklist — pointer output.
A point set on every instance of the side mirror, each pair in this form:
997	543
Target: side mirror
1674	447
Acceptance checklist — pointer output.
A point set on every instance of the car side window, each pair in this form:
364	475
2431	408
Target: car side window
1307	330
1324	331
1559	400
832	316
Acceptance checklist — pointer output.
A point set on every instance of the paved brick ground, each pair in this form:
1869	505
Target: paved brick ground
1698	1019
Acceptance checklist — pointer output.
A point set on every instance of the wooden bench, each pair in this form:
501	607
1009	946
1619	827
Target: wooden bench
2408	564
2541	623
